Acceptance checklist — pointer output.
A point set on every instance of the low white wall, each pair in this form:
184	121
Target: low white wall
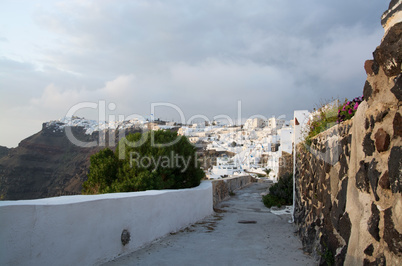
86	229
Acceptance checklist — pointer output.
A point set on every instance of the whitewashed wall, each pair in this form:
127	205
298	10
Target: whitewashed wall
86	230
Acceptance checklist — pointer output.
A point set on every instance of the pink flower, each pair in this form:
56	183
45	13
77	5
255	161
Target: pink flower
355	107
343	109
350	111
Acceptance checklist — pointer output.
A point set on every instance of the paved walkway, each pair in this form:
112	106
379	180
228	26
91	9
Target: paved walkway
261	238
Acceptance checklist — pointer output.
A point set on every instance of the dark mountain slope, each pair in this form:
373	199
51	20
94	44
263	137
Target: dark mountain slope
45	164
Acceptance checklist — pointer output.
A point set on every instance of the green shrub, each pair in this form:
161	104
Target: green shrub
280	193
322	119
330	114
326	255
267	171
146	166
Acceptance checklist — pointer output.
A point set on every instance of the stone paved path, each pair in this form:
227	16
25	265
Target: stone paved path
263	239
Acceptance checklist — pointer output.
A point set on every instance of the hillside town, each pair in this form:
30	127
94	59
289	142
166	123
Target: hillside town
254	147
224	150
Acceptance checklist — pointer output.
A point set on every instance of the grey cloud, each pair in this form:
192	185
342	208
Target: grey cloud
204	56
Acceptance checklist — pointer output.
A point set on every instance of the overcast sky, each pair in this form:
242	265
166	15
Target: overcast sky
204	56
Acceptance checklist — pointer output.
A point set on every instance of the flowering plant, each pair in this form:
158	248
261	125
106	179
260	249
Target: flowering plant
348	109
321	119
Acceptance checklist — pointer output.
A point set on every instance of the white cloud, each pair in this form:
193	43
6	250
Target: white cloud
202	56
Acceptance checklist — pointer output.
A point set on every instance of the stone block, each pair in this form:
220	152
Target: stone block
391	236
389	53
367	91
397	88
368	145
382	140
384	181
395	169
397	124
362	181
373	222
373	176
369	250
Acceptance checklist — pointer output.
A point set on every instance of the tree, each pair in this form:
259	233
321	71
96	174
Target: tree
102	172
168	163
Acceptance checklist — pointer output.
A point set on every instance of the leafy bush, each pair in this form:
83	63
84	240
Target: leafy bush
280	193
267	171
146	166
348	109
322	119
329	115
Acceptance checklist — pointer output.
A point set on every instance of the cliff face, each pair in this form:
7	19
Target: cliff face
349	185
3	151
48	164
44	165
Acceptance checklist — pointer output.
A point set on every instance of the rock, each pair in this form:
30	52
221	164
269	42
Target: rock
345	227
372	122
344	166
373	222
380	261
391	236
340	257
369	250
382	140
367	124
394	7
380	116
389	53
373	176
362	181
397	123
395	169
397	89
367	91
368	145
342	195
3	151
368	66
384	181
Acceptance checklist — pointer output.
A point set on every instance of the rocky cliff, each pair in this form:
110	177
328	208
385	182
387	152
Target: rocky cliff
3	151
48	164
349	183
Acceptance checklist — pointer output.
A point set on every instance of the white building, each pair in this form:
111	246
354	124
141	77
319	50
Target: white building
286	139
275	123
301	118
226	166
253	123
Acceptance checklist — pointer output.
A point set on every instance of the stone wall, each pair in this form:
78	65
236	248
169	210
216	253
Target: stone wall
221	188
349	181
285	164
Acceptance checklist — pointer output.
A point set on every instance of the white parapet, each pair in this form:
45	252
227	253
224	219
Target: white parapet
87	229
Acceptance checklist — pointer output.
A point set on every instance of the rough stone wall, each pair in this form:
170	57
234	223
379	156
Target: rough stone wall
349	181
221	188
285	164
